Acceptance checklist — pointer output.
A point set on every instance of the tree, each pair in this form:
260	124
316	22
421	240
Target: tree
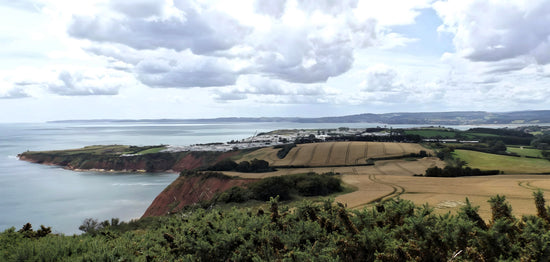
258	165
90	225
243	166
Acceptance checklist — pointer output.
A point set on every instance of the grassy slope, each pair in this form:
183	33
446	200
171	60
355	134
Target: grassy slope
525	151
507	164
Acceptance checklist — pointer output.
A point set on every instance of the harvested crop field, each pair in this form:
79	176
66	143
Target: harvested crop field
391	178
334	153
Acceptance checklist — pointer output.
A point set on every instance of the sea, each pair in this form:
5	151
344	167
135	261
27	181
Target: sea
62	199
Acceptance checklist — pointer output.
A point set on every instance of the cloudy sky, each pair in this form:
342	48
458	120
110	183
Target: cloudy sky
64	59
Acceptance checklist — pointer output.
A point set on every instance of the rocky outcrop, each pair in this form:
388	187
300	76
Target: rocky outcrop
188	190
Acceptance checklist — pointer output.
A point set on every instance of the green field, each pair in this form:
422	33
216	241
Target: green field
522	151
152	150
508	164
94	150
107	150
431	133
475	135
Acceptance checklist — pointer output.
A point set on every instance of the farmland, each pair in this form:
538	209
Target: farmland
525	151
334	153
508	164
394	177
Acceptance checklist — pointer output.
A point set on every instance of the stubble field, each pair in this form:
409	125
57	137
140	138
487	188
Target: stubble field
392	178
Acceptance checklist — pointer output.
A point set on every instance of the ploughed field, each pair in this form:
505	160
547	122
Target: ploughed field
394	177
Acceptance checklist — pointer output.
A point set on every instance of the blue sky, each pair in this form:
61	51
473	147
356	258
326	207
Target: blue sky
141	59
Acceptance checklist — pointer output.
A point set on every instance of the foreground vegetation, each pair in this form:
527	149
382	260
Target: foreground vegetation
393	231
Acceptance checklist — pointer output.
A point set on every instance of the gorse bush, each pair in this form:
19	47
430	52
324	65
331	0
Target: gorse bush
395	230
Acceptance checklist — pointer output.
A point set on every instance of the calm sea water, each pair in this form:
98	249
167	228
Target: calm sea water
62	199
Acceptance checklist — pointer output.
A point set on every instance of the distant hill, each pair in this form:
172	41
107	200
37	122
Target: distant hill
422	118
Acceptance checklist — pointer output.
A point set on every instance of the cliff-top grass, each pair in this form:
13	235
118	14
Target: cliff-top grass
105	150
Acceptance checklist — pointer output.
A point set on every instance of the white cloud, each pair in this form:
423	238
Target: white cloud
384	84
10	91
187	27
82	83
271	91
498	30
303	42
185	70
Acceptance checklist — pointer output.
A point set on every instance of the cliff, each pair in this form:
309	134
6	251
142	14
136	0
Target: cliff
188	190
81	160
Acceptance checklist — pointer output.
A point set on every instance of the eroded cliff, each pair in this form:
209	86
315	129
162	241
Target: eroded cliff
188	190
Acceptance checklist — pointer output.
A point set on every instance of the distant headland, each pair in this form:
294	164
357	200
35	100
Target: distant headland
419	118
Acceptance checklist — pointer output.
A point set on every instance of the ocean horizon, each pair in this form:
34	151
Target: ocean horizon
62	199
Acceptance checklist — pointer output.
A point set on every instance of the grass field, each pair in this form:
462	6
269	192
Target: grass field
151	150
508	164
107	150
431	133
95	150
522	151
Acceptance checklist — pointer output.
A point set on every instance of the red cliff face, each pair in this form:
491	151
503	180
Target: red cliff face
190	190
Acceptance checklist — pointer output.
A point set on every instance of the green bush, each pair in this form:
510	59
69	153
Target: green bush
395	230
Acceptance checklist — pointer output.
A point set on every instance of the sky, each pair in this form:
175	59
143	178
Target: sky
149	59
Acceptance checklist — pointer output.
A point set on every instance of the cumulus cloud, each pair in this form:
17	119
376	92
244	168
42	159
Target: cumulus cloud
84	84
185	70
311	43
138	8
498	30
298	41
274	8
275	91
144	26
384	84
381	78
229	96
10	91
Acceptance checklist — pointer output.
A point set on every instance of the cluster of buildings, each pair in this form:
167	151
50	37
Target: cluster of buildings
273	138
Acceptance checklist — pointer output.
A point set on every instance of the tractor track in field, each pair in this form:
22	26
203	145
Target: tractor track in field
308	163
404	169
364	154
295	156
527	185
397	190
347	153
327	161
403	151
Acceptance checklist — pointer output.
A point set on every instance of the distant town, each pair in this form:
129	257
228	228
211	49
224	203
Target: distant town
281	137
